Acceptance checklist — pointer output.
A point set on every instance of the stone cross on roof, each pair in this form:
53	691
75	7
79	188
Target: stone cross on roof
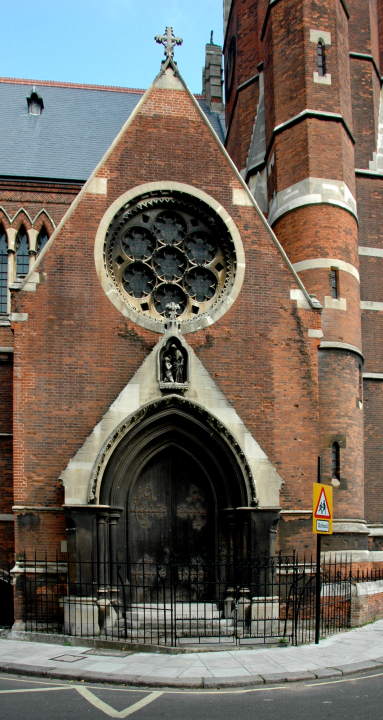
169	41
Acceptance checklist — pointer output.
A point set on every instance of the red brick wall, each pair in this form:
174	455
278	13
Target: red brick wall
370	211
53	198
365	108
373	410
241	128
307	233
371	278
6	489
372	331
342	421
359	26
366	608
76	352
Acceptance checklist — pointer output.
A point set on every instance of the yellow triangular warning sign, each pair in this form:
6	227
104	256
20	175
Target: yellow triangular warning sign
322	510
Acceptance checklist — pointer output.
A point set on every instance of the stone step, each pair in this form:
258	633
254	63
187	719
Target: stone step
151	612
186	625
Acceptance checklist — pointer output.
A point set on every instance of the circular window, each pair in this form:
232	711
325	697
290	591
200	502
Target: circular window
169	248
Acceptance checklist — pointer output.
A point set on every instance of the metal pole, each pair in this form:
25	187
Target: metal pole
317	591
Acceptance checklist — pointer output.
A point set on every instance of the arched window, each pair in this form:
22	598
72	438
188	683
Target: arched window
335	461
42	239
321	58
3	271
22	253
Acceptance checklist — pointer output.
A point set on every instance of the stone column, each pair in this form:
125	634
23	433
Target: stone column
114	517
103	550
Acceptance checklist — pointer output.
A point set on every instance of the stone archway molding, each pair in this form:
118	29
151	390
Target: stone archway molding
171	403
82	476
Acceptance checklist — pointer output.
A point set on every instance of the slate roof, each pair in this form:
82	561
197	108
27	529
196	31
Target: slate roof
77	125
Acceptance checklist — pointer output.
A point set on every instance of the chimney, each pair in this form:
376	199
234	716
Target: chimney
212	76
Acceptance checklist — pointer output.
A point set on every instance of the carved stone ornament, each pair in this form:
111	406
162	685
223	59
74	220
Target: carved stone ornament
173	365
169	401
169	41
169	249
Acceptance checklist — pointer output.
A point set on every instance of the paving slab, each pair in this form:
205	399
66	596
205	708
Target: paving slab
323	673
351	668
233	681
210	668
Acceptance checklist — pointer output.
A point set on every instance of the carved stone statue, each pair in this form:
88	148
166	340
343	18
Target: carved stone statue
173	362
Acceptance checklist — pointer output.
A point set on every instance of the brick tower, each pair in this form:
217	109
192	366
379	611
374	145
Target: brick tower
295	124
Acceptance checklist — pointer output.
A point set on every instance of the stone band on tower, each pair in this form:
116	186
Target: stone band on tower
290	131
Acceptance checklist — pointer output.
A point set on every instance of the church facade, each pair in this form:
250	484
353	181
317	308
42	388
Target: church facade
191	315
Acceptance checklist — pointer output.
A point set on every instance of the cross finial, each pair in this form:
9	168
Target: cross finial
172	309
169	41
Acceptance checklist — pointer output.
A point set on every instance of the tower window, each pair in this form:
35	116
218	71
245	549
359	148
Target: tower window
334	283
360	382
3	272
335	461
42	239
321	58
22	253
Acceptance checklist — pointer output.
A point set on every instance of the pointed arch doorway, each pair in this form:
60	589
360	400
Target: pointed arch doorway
171	510
177	474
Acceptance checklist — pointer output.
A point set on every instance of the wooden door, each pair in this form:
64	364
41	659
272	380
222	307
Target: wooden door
170	518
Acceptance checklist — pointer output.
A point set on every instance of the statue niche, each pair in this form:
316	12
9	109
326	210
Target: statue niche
173	365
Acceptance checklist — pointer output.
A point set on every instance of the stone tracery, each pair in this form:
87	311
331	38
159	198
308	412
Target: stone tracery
168	247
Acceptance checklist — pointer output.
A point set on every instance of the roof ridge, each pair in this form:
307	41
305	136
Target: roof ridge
80	86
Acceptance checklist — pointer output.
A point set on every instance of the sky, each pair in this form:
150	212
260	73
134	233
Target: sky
104	42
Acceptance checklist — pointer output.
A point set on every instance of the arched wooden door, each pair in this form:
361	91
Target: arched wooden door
171	513
174	475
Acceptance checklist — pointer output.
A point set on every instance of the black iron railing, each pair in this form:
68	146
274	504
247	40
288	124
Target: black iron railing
6	596
183	602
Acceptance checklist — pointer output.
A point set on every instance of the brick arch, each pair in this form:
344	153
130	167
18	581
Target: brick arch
5	219
41	220
22	218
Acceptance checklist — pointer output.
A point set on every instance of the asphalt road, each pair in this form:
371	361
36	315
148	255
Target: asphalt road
347	698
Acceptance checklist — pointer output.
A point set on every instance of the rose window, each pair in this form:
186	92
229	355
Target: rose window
169	248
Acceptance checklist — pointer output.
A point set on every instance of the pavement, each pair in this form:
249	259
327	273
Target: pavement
346	653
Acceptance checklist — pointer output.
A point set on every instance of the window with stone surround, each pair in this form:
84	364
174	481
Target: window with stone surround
3	271
22	253
321	58
335	461
334	282
42	240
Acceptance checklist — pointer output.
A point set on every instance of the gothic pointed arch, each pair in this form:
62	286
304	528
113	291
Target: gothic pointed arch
3	270
176	473
22	252
151	427
42	239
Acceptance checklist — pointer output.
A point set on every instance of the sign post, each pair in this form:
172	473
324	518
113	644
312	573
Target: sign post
322	525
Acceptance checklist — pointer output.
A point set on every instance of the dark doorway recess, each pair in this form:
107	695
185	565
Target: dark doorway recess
178	477
171	510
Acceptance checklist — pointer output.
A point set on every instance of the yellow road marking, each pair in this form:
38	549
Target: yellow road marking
154	695
348	679
110	711
29	690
